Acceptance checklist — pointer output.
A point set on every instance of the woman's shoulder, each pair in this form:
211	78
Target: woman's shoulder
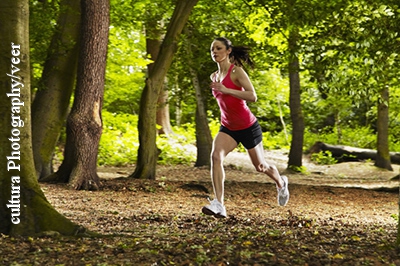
237	71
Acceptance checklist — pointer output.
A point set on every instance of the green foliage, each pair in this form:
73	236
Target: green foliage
348	51
125	75
179	147
272	93
299	169
323	157
119	141
394	121
42	25
361	137
214	125
275	141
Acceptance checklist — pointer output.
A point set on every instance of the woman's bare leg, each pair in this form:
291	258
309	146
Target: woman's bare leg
223	144
257	158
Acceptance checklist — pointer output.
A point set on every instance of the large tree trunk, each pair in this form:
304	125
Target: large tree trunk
147	154
24	209
296	114
84	124
383	156
51	103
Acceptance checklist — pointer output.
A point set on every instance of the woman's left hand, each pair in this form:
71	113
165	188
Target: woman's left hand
217	86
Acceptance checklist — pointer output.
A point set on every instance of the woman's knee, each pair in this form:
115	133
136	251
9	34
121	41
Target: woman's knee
216	157
265	168
260	167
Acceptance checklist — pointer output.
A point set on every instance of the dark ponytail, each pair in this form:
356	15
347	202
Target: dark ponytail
239	54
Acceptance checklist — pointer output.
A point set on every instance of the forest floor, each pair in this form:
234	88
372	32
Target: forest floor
343	214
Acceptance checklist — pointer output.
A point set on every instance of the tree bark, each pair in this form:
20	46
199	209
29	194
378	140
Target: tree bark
147	153
84	123
24	209
203	139
203	132
383	157
162	117
296	114
51	103
153	44
349	154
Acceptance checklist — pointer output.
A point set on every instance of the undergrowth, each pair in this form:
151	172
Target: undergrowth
119	142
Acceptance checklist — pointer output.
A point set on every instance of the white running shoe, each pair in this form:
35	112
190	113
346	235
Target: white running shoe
215	208
283	193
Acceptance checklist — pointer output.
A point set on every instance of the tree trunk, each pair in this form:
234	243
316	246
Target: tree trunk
153	44
296	114
163	118
24	209
203	132
383	156
203	139
349	154
147	153
51	103
84	123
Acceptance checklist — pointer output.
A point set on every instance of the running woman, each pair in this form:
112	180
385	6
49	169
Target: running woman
232	88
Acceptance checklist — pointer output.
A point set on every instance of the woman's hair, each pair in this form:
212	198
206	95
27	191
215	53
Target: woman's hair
239	54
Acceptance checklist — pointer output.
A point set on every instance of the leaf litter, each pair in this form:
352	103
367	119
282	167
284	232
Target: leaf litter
158	222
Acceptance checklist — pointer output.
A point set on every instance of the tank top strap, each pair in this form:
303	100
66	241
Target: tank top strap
231	67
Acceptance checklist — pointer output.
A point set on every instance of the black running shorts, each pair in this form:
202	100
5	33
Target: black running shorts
249	137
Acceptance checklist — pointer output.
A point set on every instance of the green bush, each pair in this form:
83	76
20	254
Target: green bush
119	141
179	147
323	157
276	141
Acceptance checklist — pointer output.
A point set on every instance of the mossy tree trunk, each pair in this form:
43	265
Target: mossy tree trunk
147	153
24	209
51	103
84	123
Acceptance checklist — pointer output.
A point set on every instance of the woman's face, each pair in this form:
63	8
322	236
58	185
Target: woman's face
219	52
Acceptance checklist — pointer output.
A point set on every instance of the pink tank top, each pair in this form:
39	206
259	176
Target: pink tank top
235	114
